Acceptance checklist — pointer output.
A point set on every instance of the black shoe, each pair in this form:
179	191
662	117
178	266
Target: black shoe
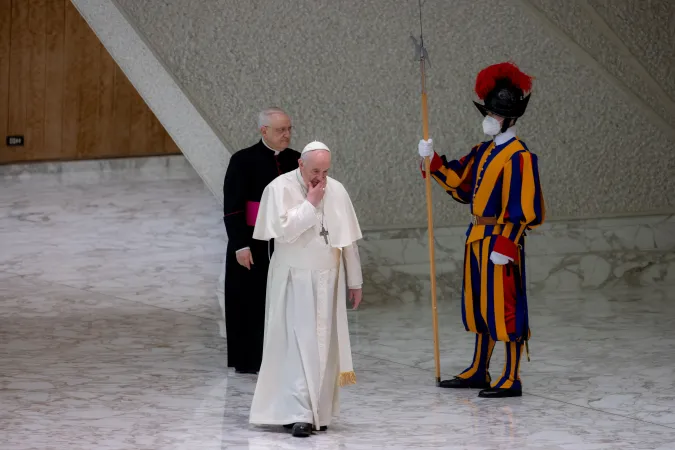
290	426
500	393
245	370
461	383
302	429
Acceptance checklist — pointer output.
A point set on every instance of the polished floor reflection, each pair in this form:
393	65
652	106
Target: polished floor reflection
109	340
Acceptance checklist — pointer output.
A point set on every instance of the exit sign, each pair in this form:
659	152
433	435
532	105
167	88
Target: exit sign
14	141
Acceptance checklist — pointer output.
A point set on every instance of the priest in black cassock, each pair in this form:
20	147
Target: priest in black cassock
247	260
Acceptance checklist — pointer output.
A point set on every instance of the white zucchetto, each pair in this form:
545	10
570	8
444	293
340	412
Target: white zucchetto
315	145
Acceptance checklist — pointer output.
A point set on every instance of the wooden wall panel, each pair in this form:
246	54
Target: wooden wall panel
170	145
19	59
105	132
72	61
122	112
88	74
5	34
36	79
63	92
55	30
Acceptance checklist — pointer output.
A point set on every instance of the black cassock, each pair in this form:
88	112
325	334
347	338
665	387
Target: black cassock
249	172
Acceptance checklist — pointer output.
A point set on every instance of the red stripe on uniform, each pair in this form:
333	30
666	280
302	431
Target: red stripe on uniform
509	299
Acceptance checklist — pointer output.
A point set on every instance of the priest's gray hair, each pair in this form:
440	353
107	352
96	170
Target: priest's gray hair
266	114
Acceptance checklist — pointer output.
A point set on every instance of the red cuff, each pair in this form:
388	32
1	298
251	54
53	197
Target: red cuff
436	163
506	248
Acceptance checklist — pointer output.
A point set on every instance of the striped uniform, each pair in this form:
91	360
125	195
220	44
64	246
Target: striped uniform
502	182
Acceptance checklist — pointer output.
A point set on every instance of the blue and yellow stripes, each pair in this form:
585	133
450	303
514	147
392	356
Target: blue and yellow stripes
501	182
498	181
456	176
510	378
478	370
487	289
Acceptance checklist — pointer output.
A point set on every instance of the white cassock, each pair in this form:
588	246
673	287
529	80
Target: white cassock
306	353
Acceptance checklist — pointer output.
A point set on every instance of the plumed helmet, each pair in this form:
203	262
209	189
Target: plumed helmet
504	89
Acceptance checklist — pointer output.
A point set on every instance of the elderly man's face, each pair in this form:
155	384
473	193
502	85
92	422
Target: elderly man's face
278	133
314	167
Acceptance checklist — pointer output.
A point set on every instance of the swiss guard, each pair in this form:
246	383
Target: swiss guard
499	180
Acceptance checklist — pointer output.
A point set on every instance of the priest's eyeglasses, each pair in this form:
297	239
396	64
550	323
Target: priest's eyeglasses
281	130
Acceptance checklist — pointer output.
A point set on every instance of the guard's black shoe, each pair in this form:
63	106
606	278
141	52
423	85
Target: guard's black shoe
500	393
245	370
302	429
461	383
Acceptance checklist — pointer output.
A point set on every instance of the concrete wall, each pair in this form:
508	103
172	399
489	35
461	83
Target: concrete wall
601	117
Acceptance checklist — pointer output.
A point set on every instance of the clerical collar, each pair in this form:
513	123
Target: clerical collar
276	152
502	138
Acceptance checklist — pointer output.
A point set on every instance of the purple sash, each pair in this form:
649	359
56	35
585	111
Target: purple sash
251	213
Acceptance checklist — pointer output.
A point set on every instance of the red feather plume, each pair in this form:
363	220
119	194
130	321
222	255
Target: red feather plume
488	77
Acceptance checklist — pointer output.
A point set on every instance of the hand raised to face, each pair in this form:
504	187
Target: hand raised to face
315	193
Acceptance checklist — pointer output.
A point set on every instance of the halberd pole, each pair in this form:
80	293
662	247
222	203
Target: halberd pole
421	52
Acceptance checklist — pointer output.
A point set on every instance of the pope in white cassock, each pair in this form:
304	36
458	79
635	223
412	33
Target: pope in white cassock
307	353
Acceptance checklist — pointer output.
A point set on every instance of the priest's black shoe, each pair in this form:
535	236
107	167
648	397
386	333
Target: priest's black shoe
323	428
461	383
500	393
301	429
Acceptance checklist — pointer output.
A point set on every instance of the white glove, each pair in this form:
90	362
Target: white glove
499	259
426	148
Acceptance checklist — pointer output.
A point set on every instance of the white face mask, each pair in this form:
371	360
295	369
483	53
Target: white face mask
491	126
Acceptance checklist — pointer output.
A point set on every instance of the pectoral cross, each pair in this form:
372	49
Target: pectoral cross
324	234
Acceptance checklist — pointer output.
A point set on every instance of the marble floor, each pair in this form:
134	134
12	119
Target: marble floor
109	340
